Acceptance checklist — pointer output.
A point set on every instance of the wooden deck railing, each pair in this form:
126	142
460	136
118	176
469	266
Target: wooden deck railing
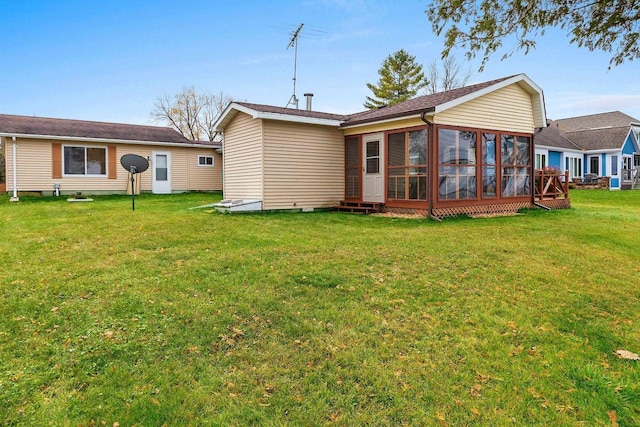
551	185
631	175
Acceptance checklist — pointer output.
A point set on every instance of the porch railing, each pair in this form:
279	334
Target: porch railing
631	175
551	185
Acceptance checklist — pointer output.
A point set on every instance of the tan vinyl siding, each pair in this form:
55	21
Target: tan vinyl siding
509	109
179	169
34	174
381	127
303	165
35	160
205	178
243	158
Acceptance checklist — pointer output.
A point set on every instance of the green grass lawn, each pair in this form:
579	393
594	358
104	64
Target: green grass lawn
186	317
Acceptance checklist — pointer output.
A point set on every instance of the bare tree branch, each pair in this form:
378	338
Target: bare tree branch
190	113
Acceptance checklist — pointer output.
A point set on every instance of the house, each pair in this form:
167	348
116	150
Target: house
605	145
464	151
47	155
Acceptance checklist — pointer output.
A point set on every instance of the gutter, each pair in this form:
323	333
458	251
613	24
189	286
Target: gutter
14	160
423	117
106	141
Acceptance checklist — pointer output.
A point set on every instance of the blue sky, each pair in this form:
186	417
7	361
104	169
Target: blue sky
110	60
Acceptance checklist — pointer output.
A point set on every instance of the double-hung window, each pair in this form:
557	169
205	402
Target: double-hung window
85	161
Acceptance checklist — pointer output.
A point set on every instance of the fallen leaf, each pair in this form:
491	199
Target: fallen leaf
55	309
336	416
624	354
613	417
440	417
155	401
475	390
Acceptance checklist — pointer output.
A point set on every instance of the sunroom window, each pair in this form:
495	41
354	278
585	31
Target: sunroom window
516	169
489	170
407	164
85	160
457	166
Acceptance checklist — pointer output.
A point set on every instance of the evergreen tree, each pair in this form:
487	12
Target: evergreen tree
400	79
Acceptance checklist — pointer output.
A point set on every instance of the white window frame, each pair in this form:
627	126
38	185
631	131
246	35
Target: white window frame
576	168
205	165
541	160
85	174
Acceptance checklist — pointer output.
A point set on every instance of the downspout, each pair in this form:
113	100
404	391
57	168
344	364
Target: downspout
532	177
423	117
14	198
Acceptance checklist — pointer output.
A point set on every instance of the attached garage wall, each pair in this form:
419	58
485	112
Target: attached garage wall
243	158
303	165
508	109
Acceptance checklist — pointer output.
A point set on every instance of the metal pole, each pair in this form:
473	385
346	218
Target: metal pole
133	188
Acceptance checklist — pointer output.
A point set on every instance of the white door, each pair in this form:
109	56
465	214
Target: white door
373	168
161	163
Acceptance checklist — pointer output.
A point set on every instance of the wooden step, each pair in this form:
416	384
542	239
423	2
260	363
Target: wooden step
359	207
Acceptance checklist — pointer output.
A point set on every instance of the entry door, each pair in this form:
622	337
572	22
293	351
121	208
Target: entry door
373	168
161	183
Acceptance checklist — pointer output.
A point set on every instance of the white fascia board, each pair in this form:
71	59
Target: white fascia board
104	140
532	88
390	120
558	149
228	114
607	151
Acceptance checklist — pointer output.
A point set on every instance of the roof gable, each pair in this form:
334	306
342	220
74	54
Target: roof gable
442	101
11	125
432	104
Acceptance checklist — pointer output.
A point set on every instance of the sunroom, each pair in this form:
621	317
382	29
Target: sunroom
471	153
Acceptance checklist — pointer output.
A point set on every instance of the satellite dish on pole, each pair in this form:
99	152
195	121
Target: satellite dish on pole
134	164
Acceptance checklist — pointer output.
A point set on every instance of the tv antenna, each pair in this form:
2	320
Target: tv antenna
294	44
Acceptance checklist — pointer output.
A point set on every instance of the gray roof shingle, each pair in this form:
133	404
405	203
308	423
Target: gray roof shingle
551	137
594	121
599	139
604	131
26	125
409	107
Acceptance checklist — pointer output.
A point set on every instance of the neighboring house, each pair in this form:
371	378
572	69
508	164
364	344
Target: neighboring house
83	156
601	145
464	151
